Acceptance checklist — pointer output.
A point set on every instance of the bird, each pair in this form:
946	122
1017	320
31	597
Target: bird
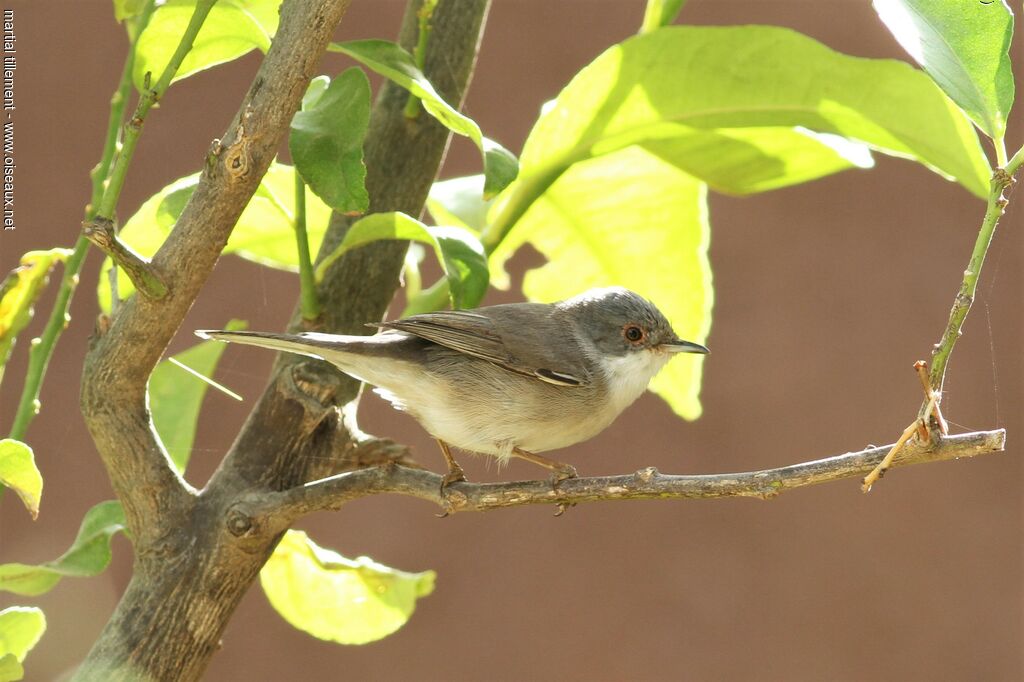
507	380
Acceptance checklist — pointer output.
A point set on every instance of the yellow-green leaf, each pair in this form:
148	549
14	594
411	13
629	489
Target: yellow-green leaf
459	201
126	9
21	627
18	471
337	599
685	91
265	232
19	291
964	46
10	668
232	28
458	251
176	394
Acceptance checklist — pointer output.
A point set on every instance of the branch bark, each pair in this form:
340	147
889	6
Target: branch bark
196	555
169	621
281	509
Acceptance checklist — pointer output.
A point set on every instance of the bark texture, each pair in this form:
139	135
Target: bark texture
197	552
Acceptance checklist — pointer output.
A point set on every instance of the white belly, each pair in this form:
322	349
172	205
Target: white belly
497	411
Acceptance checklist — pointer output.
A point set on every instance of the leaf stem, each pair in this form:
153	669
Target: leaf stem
147	100
997	201
425	13
660	13
508	213
42	347
1000	145
1015	162
309	304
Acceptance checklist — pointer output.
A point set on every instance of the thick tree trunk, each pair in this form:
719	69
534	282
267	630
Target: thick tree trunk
198	552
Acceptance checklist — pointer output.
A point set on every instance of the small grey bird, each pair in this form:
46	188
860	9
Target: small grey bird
503	380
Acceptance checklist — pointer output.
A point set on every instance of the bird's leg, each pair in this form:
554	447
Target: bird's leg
562	471
455	472
454	475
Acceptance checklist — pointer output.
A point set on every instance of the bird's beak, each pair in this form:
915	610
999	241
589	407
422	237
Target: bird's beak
680	346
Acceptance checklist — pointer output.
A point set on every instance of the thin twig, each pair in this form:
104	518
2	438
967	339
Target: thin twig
113	395
997	201
283	508
100	232
40	352
419	55
149	98
309	303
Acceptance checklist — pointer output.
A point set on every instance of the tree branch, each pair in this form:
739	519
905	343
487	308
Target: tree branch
120	361
296	433
189	574
280	509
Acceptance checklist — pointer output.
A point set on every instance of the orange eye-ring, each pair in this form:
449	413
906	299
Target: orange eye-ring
633	333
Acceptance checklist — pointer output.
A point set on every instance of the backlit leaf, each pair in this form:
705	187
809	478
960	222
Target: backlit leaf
964	46
19	291
337	599
458	251
265	232
18	471
21	627
232	28
175	395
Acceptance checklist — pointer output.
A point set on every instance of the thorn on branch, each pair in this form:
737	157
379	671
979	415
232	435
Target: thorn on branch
100	231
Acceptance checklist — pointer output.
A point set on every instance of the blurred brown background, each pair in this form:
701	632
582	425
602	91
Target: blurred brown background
825	295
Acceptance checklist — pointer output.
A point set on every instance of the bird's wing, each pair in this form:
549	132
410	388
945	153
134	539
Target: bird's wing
483	335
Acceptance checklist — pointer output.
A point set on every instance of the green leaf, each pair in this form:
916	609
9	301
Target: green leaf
19	291
10	668
631	219
233	28
964	46
683	91
391	61
326	141
337	599
747	160
265	232
87	556
175	395
458	250
660	13
314	91
21	627
126	9
459	202
18	471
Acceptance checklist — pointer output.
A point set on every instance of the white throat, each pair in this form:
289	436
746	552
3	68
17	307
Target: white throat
628	375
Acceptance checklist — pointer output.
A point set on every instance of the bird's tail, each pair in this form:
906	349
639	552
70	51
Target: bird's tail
309	343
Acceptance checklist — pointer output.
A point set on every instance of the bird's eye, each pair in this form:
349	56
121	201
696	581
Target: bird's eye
633	333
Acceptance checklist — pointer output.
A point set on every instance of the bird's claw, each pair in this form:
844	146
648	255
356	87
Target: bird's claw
455	475
562	506
563	474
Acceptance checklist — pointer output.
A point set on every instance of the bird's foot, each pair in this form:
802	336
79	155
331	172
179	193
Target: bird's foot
455	475
563	473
